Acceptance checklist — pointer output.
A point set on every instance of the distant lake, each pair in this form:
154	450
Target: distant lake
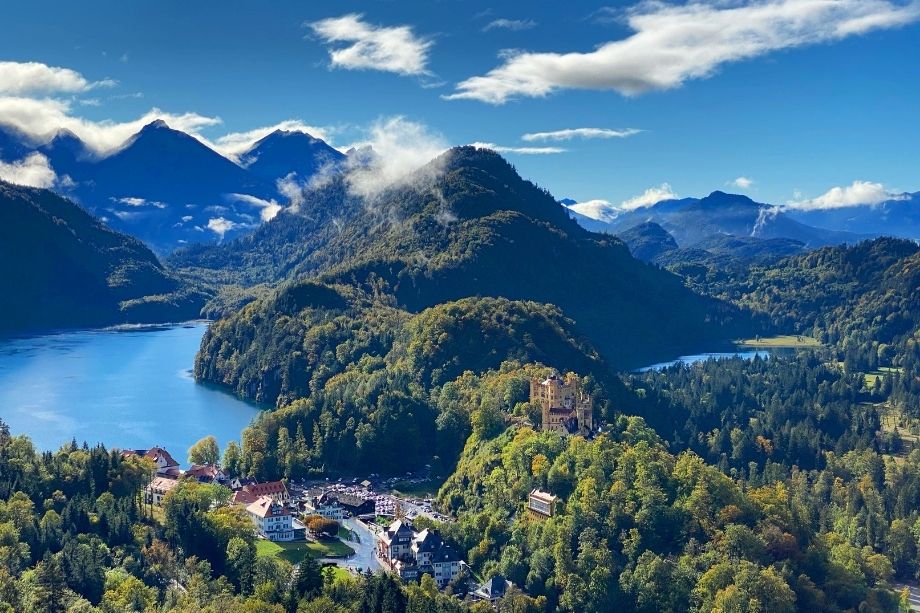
702	357
124	388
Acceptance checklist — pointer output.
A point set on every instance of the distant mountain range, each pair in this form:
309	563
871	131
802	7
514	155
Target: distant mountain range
61	267
169	189
691	220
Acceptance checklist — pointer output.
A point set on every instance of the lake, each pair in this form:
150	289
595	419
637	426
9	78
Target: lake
702	357
124	388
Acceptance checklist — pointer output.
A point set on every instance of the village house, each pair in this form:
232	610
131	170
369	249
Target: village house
324	505
166	466
565	407
492	590
157	489
206	473
272	519
276	490
541	505
412	554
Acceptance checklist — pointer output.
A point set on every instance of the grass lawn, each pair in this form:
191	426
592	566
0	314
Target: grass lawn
794	341
294	552
881	372
422	489
339	573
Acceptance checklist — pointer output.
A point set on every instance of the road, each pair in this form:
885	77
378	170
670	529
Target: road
914	598
364	547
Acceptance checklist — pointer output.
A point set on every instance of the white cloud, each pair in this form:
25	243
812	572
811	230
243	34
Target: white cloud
139	202
40	118
649	197
604	210
35	78
601	210
235	143
570	133
220	226
671	44
391	49
510	24
743	182
33	171
400	146
856	194
267	208
519	150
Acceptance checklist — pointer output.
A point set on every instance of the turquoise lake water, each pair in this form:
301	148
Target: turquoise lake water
124	388
702	357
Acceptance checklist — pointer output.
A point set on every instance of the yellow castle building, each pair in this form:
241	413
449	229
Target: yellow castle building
565	406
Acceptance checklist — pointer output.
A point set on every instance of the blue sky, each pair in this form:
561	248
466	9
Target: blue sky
798	101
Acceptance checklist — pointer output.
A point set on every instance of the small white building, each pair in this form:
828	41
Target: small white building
272	519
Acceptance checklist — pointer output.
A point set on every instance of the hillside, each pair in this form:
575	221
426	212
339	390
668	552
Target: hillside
478	229
61	267
648	241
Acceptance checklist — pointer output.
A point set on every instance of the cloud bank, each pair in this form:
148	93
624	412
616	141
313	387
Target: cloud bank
858	193
35	78
391	49
649	197
674	43
32	171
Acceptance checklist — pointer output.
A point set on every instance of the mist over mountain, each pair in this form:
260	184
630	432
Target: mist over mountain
691	220
897	217
286	152
169	189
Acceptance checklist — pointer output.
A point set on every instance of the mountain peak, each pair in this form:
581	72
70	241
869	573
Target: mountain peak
156	124
720	198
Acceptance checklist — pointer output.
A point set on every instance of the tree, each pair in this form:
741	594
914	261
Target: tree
241	556
321	526
233	456
204	451
50	586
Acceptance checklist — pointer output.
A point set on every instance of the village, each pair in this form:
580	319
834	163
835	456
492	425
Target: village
368	525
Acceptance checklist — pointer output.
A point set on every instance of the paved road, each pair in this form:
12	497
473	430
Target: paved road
914	597
364	557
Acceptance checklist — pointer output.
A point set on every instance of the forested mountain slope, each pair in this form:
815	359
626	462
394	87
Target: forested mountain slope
60	267
475	228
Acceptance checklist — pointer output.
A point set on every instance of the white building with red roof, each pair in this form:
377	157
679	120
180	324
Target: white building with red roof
272	519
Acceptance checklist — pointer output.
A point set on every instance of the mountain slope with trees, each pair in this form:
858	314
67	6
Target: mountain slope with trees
60	267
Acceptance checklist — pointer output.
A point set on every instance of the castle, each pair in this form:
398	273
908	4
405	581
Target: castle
566	408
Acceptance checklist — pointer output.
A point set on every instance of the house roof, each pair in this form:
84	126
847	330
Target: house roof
243	497
163	484
208	471
544	496
427	540
267	489
154	453
493	588
444	554
265	506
